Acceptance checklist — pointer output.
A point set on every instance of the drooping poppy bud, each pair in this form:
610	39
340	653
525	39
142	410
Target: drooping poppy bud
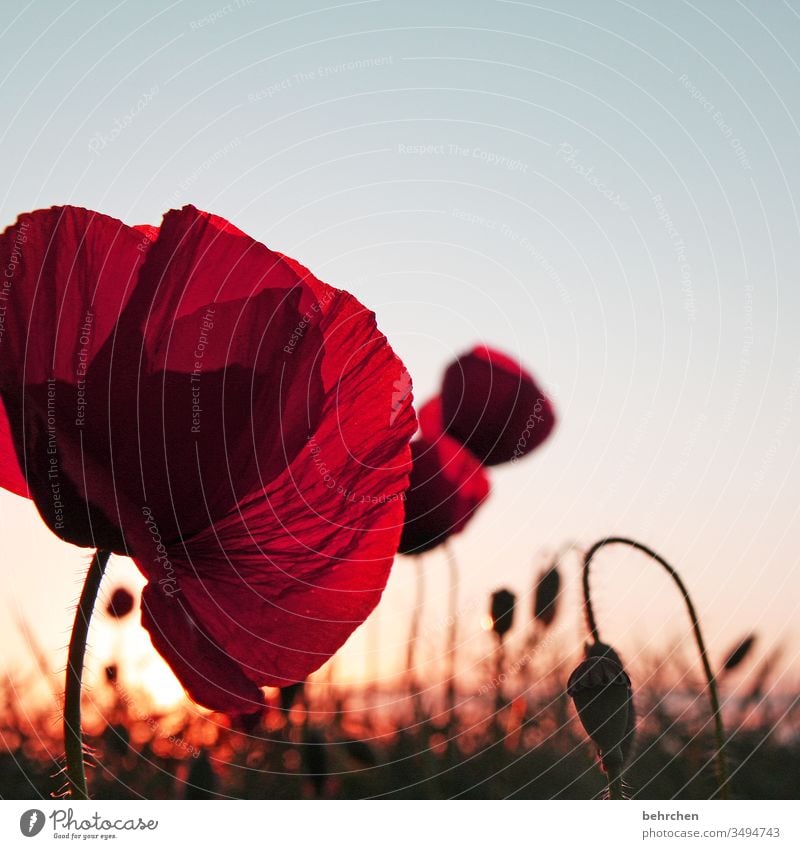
545	600
737	656
502	611
601	691
120	604
493	407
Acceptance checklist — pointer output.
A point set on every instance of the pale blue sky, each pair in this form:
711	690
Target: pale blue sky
607	190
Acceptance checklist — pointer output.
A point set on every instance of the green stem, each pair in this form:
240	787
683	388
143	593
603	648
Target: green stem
73	738
719	729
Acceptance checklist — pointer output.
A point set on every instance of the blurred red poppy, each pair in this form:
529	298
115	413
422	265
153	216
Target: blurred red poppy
493	407
190	398
447	486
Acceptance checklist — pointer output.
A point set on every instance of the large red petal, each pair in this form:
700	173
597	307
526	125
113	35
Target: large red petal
203	668
214	375
11	477
281	582
68	273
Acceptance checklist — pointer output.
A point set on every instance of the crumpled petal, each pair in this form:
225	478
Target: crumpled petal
244	440
281	583
68	273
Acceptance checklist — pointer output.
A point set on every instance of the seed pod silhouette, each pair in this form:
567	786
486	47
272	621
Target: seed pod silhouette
738	654
120	604
315	760
603	697
360	751
502	612
201	782
545	600
290	695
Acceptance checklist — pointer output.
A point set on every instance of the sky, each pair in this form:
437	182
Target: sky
605	190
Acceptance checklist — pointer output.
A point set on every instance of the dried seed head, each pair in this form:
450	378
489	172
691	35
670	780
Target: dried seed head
545	601
502	611
601	690
737	656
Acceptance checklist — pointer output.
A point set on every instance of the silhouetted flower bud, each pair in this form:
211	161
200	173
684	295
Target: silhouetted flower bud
201	782
601	690
315	760
545	601
290	694
360	751
502	611
737	656
120	604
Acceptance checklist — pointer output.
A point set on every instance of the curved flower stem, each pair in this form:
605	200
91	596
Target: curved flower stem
73	738
719	729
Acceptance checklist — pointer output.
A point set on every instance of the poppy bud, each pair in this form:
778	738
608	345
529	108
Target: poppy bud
290	694
361	752
601	690
202	780
737	656
502	612
545	602
120	604
493	406
315	760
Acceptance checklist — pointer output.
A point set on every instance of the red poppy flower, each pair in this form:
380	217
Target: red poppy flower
447	486
493	406
190	398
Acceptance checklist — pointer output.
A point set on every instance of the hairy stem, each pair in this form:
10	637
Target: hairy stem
719	729
73	738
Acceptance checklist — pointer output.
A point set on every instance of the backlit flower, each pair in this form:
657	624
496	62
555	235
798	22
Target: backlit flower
447	485
493	406
194	400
